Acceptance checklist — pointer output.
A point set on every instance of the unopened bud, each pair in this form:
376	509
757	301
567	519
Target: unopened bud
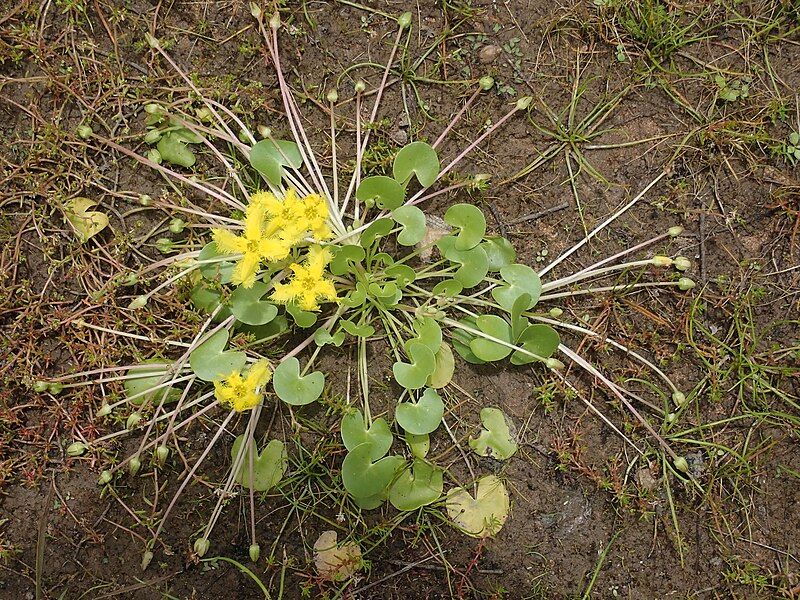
661	261
524	102
104	411
177	225
41	386
162	454
147	557
133	420
152	136
76	449
275	20
201	547
486	83
153	109
682	263
360	86
145	200
255	552
154	155
55	388
204	114
152	41
670	418
105	477
554	363
679	398
85	132
404	20
138	302
133	466
556	312
264	131
681	464
675	231
332	96
685	284
255	10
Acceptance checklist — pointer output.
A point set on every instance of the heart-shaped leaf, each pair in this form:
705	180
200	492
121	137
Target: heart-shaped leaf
444	369
423	416
206	299
211	361
418	444
384	191
539	339
174	149
217	269
355	433
294	389
362	477
141	380
355	297
402	274
495	440
471	225
336	562
86	223
413	375
364	331
322	337
370	502
520	279
428	332
519	322
247	306
474	264
379	228
268	467
417	158
260	333
483	515
461	340
388	294
303	318
494	327
345	258
499	252
417	486
268	157
448	288
413	221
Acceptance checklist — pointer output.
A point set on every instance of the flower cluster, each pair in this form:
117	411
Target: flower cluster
307	285
243	393
272	227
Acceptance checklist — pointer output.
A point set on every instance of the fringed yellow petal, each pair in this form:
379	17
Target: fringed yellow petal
228	242
258	375
244	273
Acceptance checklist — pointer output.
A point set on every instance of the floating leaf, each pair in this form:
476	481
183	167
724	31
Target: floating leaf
413	221
428	332
417	486
247	306
364	331
539	339
336	562
520	279
141	380
174	149
379	228
495	440
345	258
423	416
218	270
402	274
499	252
495	327
483	515
418	444
413	375
474	264
268	157
355	433
384	191
86	223
211	361
294	389
471	225
444	369
322	337
362	477
268	467
417	158
303	318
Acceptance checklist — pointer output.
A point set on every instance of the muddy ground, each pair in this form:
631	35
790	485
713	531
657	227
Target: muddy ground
622	92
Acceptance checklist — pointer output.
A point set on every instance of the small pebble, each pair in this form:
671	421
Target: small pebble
489	54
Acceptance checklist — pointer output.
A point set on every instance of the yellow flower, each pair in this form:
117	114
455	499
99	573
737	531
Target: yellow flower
286	218
254	243
243	393
315	212
308	285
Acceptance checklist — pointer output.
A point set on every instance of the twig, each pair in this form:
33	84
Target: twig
540	214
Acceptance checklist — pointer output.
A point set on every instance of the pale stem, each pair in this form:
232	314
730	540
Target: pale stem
333	157
610	288
558	283
133	336
458	116
605	261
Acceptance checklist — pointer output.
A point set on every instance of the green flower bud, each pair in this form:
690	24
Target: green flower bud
145	200
162	454
164	245
76	449
404	20
41	386
682	263
554	363
129	279
85	132
681	464
105	477
332	96
360	86
104	411
154	155
134	465
255	10
671	418
138	302
177	225
486	83
275	20
243	137
255	552
201	547
152	136
685	284
55	388
133	420
152	41
556	312
264	131
147	557
679	398
524	102
675	231
153	109
661	261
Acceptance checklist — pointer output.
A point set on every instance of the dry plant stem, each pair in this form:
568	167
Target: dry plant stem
133	336
557	283
357	172
610	288
333	158
191	473
446	190
602	226
625	252
581	362
619	346
458	116
159	411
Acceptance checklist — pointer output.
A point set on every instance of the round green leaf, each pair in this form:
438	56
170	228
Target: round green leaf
247	306
355	433
495	440
474	264
303	318
364	478
470	222
448	288
141	380
417	158
211	361
520	279
495	327
539	339
423	416
385	191
417	486
379	228
173	149
483	515
413	375
268	467
499	252
294	389
444	369
402	274
220	271
345	257
413	221
418	444
269	160
428	332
